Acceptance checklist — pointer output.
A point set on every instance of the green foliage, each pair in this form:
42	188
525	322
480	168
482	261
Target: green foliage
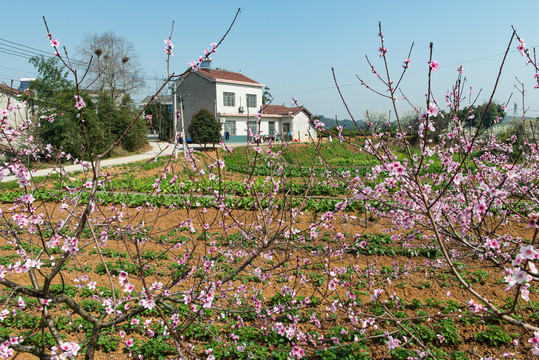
154	348
494	335
204	129
50	81
266	96
473	115
115	119
161	120
104	120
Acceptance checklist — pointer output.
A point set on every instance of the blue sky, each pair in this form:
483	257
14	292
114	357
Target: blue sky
291	45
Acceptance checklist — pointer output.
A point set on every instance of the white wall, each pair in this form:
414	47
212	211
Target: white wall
19	112
302	127
240	91
300	124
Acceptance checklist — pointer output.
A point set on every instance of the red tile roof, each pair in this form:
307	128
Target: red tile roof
283	110
227	76
9	90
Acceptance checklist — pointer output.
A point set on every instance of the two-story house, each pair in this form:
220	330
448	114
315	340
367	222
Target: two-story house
235	99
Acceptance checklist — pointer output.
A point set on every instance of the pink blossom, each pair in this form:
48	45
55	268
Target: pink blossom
392	344
481	207
521	276
533	221
528	252
69	349
521	47
331	285
147	303
129	342
193	65
535	339
434	65
169	46
432	110
525	293
297	352
21	303
441	338
55	42
376	293
493	244
79	102
458	179
27	199
406	63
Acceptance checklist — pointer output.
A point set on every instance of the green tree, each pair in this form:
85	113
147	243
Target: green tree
53	97
136	137
51	81
115	119
204	129
161	120
266	96
495	113
62	128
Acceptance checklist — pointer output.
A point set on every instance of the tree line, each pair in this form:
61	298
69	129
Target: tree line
112	73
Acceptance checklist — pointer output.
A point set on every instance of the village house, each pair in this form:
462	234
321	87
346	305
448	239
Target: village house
235	99
12	108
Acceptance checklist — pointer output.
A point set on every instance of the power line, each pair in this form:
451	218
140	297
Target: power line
13	48
27	52
19	70
24	46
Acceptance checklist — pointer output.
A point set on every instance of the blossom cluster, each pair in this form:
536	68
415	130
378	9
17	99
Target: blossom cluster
195	64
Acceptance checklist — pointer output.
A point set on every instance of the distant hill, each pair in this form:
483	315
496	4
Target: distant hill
345	123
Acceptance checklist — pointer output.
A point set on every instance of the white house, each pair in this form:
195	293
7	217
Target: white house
290	123
235	99
13	111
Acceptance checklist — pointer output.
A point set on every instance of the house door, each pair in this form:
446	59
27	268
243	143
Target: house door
253	130
271	128
287	134
230	127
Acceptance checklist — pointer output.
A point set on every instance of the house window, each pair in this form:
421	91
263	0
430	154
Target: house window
229	99
251	100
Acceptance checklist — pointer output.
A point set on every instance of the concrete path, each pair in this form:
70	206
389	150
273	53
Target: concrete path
158	149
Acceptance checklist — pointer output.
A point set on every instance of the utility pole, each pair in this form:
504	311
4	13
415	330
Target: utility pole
174	119
175	97
184	147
